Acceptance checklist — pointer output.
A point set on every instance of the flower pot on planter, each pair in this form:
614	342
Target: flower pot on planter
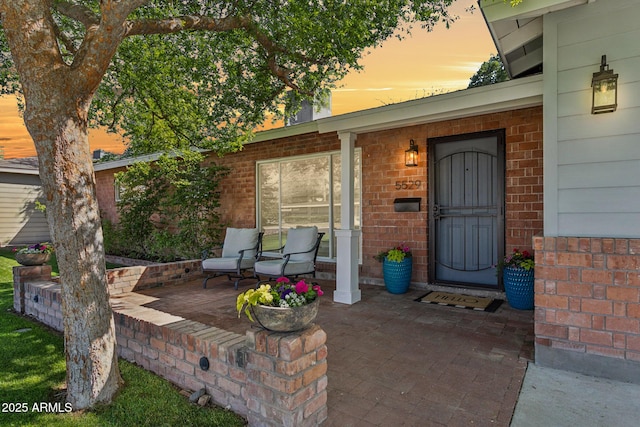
397	275
32	259
518	286
291	319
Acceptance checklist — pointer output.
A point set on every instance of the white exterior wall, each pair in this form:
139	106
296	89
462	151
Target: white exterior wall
20	222
592	162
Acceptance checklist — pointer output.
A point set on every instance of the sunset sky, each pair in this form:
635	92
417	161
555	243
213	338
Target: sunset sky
423	64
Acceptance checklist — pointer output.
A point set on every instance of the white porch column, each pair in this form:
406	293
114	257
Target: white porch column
347	290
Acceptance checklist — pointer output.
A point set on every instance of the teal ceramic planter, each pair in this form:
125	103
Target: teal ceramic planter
518	285
397	275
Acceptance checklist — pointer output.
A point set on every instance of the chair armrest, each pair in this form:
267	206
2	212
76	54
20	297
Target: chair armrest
315	247
206	252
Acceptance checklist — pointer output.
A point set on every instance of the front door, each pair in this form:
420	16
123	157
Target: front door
466	220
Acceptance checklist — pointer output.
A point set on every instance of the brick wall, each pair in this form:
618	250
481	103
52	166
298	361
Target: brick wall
272	379
128	279
238	190
105	192
383	165
587	315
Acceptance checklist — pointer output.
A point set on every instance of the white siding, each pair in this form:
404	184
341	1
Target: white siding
20	222
592	162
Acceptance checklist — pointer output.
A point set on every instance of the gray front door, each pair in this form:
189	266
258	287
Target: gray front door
466	221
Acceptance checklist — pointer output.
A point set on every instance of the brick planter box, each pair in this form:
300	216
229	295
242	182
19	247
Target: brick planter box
272	379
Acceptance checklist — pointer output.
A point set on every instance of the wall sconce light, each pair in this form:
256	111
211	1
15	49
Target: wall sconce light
411	155
605	89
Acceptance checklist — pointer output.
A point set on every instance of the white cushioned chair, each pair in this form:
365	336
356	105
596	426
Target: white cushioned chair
240	250
298	255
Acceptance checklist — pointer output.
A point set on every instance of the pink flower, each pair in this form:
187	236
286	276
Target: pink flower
282	280
318	290
301	287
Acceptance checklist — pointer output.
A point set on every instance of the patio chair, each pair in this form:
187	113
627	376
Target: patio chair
240	250
298	255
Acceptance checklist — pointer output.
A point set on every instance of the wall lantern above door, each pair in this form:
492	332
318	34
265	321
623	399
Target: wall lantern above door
411	155
605	89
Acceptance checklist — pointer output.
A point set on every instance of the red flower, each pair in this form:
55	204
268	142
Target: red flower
318	290
302	287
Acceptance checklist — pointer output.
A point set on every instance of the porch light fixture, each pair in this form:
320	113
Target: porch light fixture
411	155
605	89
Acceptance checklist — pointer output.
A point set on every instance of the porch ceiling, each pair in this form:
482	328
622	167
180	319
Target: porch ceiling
517	31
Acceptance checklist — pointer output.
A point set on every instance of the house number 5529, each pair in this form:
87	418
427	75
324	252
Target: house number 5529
408	185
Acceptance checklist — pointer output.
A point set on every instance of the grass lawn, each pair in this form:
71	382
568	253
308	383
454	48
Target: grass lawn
32	373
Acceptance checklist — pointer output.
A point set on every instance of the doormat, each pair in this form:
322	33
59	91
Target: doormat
461	301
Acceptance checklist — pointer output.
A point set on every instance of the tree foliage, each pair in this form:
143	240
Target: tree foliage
206	73
490	72
168	210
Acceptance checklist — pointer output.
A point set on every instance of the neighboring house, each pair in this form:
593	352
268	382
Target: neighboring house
490	178
20	221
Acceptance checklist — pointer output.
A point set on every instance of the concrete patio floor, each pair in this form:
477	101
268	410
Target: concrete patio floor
392	360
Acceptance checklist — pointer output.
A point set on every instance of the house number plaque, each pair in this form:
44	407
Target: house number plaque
408	185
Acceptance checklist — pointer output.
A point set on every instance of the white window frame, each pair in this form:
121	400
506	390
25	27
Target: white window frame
332	199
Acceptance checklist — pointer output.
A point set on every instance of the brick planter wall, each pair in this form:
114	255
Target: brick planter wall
127	279
587	315
272	379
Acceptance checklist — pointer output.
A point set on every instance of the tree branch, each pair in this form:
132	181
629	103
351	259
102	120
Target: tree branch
78	12
182	23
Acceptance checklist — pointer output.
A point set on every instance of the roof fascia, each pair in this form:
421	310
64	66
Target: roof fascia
287	131
509	95
19	171
513	94
122	163
497	10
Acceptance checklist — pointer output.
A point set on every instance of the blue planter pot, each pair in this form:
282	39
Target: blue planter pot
397	275
518	285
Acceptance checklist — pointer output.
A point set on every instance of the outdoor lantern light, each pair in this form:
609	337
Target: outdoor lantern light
411	155
605	89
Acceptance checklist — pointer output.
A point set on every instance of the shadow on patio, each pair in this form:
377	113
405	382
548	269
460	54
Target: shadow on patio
391	360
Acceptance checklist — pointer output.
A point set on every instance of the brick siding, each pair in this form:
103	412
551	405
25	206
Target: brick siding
588	296
105	192
382	166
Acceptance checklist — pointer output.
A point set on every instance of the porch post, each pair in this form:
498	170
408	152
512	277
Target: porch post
348	238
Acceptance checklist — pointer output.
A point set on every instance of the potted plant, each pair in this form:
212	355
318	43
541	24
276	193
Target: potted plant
36	254
283	306
518	278
396	268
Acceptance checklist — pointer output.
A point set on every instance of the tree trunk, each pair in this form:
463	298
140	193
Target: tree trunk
67	176
57	98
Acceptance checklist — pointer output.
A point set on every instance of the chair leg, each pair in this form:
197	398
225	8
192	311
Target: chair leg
204	284
260	282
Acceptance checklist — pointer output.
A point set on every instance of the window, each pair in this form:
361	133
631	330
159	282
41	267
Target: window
303	191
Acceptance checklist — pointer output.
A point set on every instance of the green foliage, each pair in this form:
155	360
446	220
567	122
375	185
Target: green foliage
396	254
490	72
283	294
516	259
168	210
209	86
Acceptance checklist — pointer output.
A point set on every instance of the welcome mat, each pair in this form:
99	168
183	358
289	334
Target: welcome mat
461	301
